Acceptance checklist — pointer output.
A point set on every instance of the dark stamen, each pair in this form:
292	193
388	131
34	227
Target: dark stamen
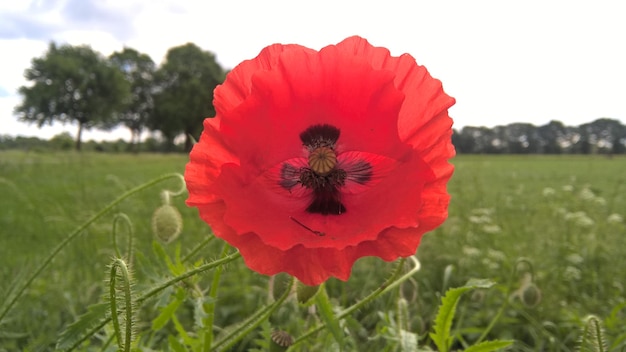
289	176
360	172
320	136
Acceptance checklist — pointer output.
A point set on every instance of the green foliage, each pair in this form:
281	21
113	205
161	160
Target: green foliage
184	92
489	346
503	208
443	323
72	84
325	309
593	337
138	69
75	332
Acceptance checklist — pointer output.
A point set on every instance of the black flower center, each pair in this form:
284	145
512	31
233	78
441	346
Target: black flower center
323	176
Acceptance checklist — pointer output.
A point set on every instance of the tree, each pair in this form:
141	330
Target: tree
72	84
138	69
184	96
552	137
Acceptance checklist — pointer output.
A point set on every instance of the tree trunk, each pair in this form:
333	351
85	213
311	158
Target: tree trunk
188	141
79	135
134	137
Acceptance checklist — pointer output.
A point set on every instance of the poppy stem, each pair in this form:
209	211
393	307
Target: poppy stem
151	293
391	283
210	307
6	307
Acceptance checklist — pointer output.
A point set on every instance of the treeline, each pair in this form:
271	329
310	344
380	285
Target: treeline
602	136
65	141
75	84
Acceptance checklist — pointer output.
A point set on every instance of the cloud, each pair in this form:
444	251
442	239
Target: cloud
47	20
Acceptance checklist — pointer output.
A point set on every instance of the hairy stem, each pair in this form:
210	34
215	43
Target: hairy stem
393	281
124	344
159	288
74	234
210	307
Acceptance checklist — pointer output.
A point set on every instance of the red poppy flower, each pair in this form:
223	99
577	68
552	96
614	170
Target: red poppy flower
317	158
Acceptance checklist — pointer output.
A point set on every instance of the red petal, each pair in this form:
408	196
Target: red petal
346	93
238	83
263	207
206	160
312	266
423	119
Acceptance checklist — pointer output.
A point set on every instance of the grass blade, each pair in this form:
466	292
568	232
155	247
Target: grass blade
489	346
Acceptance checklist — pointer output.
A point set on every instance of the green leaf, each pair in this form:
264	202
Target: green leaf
488	346
166	314
75	331
593	336
188	340
175	345
12	335
175	269
328	316
408	340
443	322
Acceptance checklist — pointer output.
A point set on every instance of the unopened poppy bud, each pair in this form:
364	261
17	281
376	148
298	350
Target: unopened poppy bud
167	223
280	341
530	295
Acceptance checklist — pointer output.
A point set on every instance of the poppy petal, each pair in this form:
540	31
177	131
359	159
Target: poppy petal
256	180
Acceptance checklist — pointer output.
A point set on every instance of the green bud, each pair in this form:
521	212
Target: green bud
167	223
530	295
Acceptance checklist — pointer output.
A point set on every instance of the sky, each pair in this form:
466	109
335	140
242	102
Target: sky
504	61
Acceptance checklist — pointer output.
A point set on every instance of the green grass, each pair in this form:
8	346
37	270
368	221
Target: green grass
551	210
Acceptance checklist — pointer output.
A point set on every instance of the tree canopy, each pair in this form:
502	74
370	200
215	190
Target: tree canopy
72	84
602	136
184	87
138	69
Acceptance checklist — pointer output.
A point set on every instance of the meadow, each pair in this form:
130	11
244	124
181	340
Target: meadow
548	230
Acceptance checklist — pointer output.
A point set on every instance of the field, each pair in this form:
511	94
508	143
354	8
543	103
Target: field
549	230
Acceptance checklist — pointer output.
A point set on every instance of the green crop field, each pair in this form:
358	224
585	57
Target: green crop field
548	230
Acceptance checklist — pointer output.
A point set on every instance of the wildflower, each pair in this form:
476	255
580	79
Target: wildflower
575	258
586	194
599	201
496	255
615	219
471	251
491	228
548	192
315	159
580	218
572	274
482	219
